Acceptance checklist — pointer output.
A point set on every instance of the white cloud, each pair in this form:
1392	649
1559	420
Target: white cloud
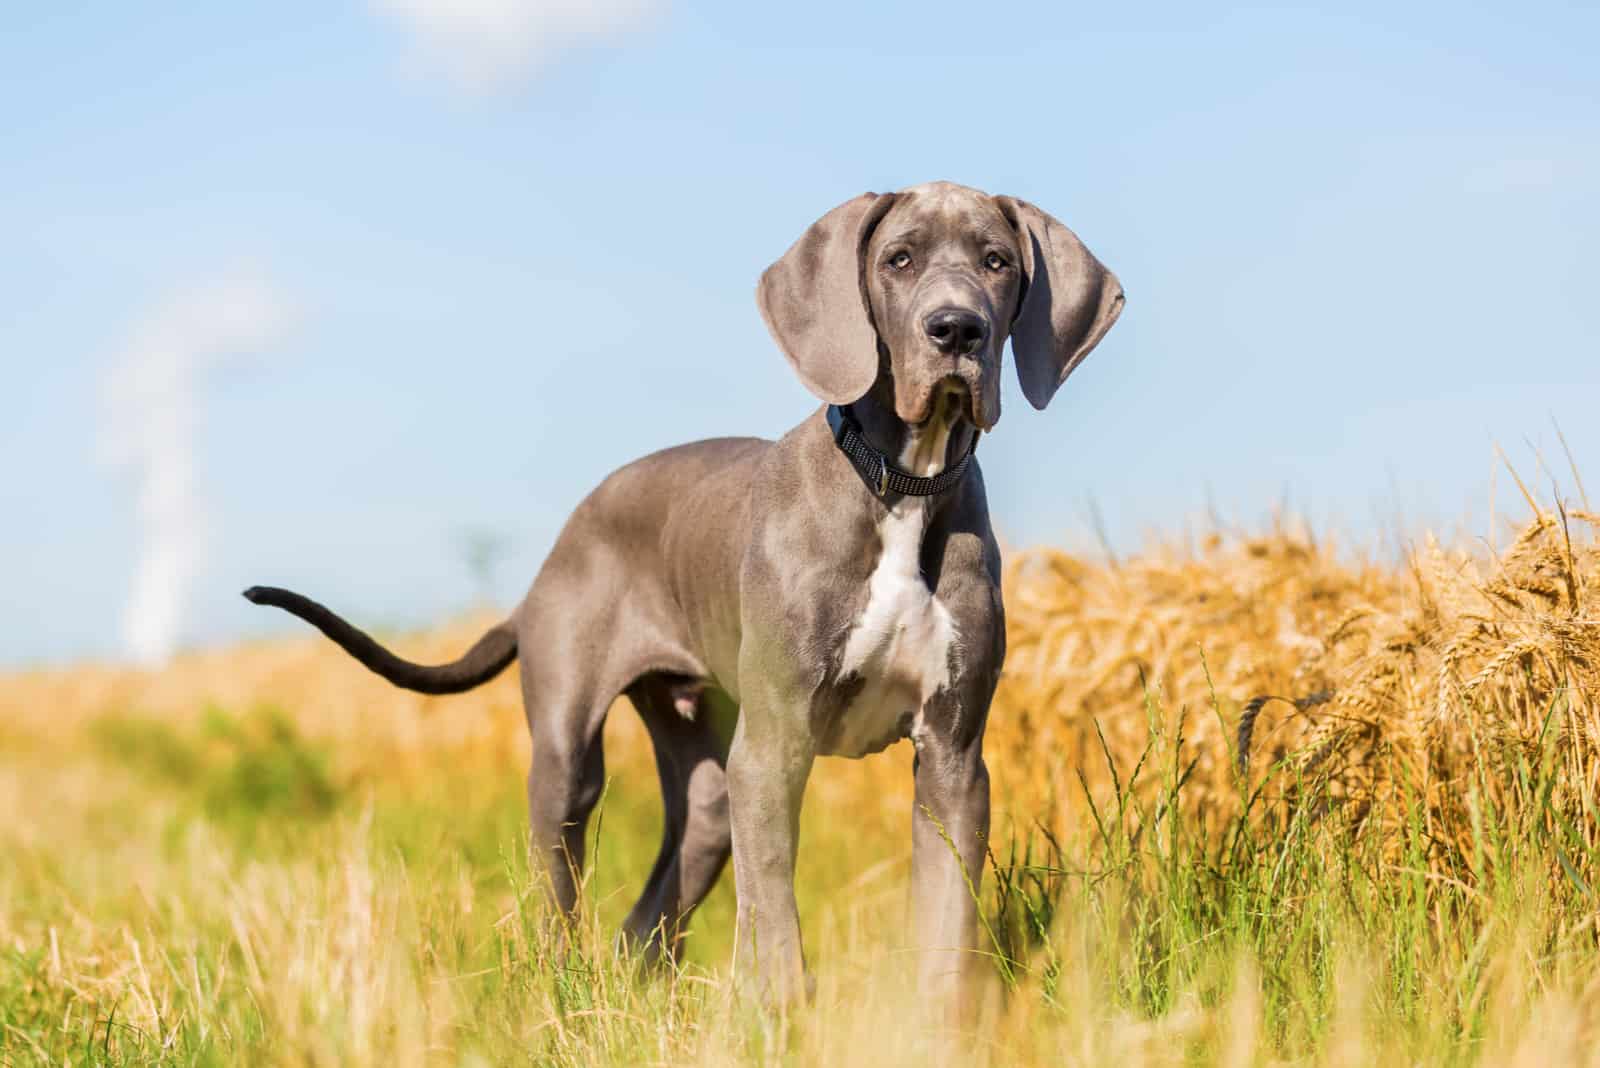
152	395
487	45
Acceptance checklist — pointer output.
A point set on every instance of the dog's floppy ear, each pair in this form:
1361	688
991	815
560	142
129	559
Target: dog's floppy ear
1070	302
815	303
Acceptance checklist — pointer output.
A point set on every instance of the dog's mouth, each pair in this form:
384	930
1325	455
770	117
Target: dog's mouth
952	401
926	448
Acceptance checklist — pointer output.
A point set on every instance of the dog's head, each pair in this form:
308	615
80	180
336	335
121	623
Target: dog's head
923	287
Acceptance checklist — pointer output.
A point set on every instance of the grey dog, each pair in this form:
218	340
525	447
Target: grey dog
762	603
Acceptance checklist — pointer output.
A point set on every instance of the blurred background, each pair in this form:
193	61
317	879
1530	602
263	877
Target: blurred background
362	299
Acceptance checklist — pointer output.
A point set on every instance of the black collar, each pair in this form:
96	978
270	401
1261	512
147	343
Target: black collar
882	477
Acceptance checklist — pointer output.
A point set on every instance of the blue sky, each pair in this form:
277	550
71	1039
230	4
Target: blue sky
505	256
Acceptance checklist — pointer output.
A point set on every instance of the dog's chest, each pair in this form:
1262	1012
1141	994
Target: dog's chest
899	652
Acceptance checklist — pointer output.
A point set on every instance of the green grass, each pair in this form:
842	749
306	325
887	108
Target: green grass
227	894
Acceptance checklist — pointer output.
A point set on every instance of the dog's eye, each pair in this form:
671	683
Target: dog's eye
995	262
900	260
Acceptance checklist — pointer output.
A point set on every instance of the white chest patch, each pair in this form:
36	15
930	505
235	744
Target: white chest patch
901	648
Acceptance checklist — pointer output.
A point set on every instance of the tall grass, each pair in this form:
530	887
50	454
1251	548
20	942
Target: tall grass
262	856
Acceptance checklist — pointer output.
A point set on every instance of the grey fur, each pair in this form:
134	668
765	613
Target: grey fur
722	585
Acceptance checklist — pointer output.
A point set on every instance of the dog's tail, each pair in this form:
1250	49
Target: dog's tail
490	656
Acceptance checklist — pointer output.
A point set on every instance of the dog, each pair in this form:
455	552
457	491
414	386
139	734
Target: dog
829	593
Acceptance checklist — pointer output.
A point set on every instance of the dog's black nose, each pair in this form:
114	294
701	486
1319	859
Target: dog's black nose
956	331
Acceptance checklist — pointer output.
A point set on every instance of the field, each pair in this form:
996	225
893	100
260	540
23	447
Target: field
262	855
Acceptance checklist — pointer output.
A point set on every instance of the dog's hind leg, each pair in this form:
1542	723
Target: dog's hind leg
707	842
566	776
691	749
651	698
597	619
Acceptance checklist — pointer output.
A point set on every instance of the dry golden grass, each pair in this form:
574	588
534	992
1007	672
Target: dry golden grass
1414	671
1453	692
1404	675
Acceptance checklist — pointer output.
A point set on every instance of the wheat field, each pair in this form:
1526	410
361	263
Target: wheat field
1260	799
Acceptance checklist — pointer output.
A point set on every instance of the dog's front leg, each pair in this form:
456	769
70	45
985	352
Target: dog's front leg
949	838
768	765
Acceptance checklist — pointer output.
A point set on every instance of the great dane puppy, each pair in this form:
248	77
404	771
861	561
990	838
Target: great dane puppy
831	592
